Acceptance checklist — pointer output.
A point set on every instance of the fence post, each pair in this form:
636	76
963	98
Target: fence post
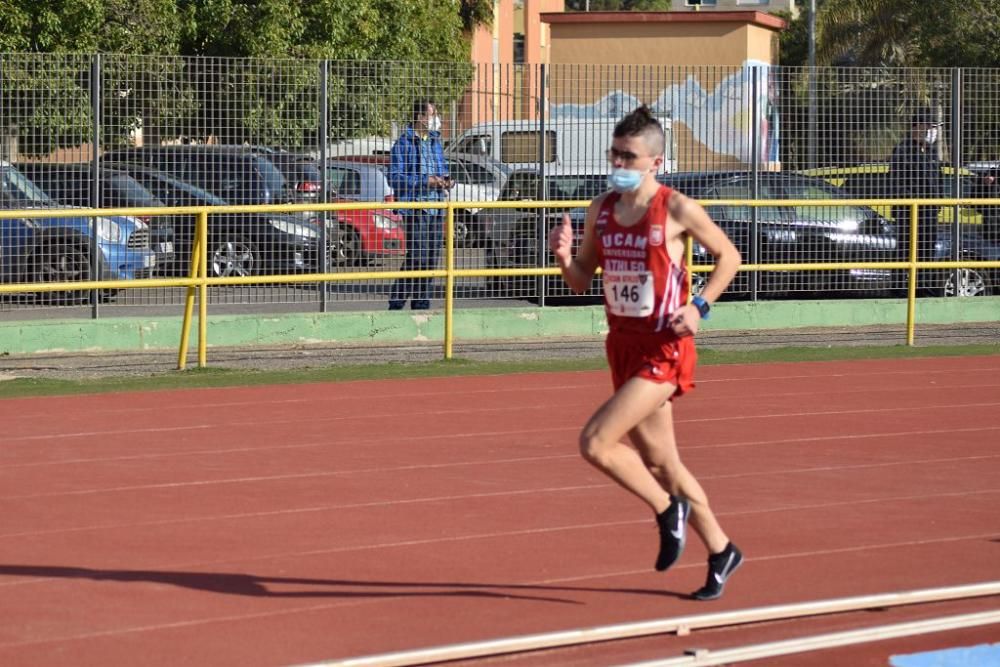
754	181
541	251
956	162
324	130
449	279
95	188
201	230
911	288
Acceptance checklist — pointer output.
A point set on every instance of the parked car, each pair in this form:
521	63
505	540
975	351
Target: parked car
979	237
303	180
795	234
514	237
71	184
36	250
234	173
872	181
365	235
240	244
358	181
477	178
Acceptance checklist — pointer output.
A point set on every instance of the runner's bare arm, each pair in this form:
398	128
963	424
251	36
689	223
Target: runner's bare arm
577	271
697	223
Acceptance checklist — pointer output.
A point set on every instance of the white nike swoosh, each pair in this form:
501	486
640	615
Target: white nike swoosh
721	578
678	534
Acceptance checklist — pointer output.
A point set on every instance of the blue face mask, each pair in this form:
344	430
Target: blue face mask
625	180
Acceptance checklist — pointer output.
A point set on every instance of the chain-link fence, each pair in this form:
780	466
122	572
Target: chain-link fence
119	131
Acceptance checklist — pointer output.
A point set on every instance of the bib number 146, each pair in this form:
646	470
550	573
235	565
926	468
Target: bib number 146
629	294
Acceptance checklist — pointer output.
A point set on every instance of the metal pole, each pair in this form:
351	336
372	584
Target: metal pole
811	121
324	131
754	182
956	163
540	236
95	188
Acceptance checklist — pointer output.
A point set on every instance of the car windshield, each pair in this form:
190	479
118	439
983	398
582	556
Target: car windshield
576	187
130	192
16	191
177	193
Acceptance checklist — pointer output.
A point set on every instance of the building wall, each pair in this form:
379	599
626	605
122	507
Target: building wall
502	88
731	5
698	68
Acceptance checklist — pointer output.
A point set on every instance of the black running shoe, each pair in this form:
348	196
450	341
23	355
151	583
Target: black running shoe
673	532
720	567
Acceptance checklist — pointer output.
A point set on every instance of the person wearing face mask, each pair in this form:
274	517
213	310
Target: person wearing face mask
418	172
636	233
915	171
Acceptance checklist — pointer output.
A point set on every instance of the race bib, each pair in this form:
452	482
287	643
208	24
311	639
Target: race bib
629	294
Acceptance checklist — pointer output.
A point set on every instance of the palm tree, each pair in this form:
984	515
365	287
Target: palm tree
873	33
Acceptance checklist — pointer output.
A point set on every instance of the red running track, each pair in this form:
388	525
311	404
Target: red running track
289	524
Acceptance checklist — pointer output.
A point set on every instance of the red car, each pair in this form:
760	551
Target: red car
363	237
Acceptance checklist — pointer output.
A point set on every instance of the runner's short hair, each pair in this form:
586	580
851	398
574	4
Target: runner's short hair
642	123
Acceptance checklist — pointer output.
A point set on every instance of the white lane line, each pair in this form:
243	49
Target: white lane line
336	473
685	447
964	406
118	632
496	494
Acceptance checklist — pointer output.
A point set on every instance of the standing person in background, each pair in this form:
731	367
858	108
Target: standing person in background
915	171
637	235
418	172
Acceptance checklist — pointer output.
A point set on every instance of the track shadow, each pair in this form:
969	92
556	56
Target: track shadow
230	583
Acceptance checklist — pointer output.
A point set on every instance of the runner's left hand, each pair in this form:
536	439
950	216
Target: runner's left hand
685	320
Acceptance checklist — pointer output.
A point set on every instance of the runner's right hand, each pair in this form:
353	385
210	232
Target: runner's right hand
561	241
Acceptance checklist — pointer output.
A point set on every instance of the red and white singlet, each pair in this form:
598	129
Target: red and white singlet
642	285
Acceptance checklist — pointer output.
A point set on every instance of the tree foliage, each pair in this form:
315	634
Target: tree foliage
194	87
898	33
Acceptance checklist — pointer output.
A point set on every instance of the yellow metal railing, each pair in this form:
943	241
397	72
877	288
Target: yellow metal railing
197	281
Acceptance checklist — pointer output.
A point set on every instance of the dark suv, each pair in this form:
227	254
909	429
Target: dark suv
795	234
240	244
236	174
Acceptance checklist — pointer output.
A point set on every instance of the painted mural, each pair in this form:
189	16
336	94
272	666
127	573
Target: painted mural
721	118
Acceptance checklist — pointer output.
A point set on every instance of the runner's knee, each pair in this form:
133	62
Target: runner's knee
594	448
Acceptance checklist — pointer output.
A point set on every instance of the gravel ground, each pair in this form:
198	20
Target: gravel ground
92	365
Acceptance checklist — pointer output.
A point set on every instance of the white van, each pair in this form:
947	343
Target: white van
574	143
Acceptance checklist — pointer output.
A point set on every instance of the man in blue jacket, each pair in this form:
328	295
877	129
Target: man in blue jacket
418	173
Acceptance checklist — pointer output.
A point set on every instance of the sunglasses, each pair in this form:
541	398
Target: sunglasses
624	156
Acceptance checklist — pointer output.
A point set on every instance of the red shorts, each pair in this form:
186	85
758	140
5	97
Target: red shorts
652	357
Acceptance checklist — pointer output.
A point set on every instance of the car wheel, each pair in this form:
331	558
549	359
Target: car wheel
971	282
62	261
463	236
232	257
345	249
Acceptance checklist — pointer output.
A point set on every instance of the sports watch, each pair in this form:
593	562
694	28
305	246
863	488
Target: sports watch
702	306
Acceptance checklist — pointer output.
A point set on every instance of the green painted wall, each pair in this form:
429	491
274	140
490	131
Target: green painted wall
163	333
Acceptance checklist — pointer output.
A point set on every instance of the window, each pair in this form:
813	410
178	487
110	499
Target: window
477	174
457	172
698	3
576	187
753	2
479	144
845	218
522	146
345	182
521	186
